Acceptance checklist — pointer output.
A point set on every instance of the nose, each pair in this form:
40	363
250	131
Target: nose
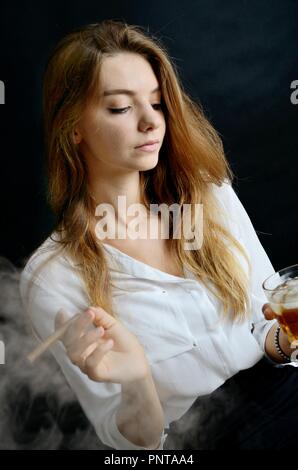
150	118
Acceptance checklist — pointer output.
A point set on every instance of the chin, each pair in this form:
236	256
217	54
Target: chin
148	164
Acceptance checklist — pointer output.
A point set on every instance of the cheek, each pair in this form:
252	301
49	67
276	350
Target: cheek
112	143
105	135
115	137
163	124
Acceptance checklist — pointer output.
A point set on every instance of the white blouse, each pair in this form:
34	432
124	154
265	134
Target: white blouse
190	349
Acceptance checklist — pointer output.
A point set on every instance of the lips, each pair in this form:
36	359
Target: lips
150	142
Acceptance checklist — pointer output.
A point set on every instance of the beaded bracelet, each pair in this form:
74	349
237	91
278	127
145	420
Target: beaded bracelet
277	345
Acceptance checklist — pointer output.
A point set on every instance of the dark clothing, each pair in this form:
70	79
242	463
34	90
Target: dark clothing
255	409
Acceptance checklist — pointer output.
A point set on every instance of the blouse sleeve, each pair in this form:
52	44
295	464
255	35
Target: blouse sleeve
99	400
261	266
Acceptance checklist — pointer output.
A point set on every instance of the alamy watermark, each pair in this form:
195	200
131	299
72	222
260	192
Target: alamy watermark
294	94
2	353
187	219
2	92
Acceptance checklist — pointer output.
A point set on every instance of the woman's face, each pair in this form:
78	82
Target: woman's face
112	127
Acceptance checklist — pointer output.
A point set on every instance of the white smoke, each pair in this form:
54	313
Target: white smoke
38	410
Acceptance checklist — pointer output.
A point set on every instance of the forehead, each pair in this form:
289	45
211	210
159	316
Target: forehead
126	71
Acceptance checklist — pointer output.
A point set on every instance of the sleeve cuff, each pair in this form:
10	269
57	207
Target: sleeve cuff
119	442
261	329
262	335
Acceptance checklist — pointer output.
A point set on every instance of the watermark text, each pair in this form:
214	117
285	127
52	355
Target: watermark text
2	92
294	94
2	353
132	222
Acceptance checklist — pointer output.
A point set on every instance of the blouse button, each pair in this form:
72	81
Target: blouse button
194	343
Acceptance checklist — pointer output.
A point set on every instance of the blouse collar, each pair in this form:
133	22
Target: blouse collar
118	260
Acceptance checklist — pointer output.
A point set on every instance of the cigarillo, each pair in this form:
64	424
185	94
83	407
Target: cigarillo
48	342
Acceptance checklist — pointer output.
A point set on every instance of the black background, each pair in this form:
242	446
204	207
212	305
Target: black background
238	58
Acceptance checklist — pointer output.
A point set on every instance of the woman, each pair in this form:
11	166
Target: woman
159	324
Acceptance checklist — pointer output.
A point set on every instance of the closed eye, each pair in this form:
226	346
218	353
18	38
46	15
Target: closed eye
118	110
157	105
123	110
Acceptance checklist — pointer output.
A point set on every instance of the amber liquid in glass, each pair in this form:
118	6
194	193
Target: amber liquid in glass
288	320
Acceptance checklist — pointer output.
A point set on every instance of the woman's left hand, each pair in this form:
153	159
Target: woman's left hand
284	341
268	312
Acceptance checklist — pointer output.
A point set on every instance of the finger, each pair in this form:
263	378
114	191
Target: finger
78	328
102	318
92	364
61	318
268	312
265	307
82	348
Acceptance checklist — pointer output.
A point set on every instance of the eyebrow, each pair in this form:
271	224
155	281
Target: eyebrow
121	91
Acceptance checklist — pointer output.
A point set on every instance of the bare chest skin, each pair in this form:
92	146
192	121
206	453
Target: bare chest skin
153	252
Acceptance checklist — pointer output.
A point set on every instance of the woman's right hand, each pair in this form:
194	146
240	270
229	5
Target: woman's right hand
106	353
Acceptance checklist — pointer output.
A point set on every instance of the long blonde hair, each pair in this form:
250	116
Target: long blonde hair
191	158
